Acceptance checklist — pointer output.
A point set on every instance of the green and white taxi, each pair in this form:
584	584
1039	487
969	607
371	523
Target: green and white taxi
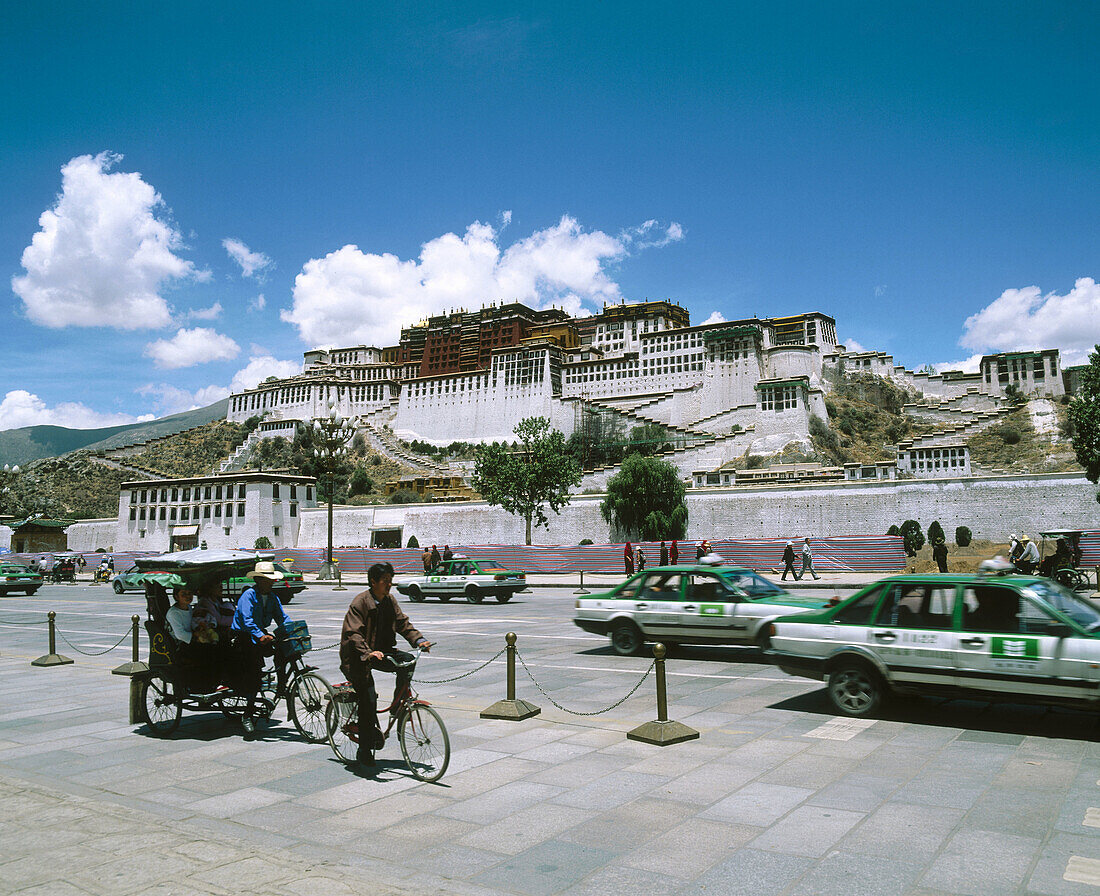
462	577
703	604
17	577
990	637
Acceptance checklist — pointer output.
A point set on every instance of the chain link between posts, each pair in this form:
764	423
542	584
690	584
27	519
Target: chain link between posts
463	675
597	712
23	624
94	652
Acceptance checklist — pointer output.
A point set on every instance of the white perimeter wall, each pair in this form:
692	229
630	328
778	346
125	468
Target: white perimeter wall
991	506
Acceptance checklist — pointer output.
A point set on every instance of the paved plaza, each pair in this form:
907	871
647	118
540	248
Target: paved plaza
777	796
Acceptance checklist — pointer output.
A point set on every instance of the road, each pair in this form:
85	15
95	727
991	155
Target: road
776	796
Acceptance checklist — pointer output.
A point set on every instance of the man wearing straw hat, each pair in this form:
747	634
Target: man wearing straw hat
257	609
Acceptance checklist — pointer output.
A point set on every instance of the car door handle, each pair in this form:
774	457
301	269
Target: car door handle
886	636
973	642
690	608
643	606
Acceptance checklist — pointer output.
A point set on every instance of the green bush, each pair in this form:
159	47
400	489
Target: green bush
914	538
585	541
1010	435
963	537
413	543
893	530
935	533
263	543
405	496
361	483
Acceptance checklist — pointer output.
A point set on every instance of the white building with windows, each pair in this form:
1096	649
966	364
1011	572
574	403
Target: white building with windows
224	511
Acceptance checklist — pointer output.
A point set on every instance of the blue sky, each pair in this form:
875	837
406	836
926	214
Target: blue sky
925	174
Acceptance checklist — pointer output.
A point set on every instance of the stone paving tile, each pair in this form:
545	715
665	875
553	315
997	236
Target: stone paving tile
898	829
951	792
1048	878
500	802
609	791
615	878
808	770
1030	770
849	874
626	827
550	867
808	831
744	871
974	863
237	802
856	792
1025	812
758	804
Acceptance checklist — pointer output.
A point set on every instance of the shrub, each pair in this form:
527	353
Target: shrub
963	537
1010	435
405	496
914	538
585	541
935	532
263	543
361	483
893	530
413	543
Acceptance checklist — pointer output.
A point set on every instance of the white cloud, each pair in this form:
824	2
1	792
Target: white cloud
967	365
880	290
850	345
211	313
20	408
716	317
1025	319
651	235
169	399
102	255
350	296
190	347
258	303
252	263
259	368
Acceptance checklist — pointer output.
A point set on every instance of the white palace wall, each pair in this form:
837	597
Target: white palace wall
990	506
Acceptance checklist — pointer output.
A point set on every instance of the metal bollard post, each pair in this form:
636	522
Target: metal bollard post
53	658
135	665
661	732
511	709
339	581
582	589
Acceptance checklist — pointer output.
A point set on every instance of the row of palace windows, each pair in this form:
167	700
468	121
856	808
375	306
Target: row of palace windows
209	511
206	493
778	398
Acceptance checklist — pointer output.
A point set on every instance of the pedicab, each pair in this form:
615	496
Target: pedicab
211	677
1060	558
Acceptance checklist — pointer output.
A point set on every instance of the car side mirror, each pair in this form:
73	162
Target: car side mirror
1059	630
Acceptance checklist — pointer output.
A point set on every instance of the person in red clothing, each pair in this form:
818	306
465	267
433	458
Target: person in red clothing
674	554
628	559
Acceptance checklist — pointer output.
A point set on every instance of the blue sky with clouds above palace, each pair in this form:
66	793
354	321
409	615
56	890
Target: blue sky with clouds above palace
196	194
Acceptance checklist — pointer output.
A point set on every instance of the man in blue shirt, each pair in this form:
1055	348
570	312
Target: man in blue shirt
257	609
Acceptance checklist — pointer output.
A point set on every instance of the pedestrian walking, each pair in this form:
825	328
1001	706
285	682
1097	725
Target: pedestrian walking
628	558
426	559
788	562
664	554
641	559
939	554
447	552
808	561
674	554
436	559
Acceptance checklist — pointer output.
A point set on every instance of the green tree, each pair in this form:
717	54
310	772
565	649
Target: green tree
1084	417
963	536
935	532
914	537
645	499
361	483
893	530
262	543
538	471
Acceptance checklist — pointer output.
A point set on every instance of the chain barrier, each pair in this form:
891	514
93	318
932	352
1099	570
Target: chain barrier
572	712
326	647
21	624
420	680
94	652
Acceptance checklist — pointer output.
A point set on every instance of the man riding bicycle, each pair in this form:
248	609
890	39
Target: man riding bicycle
368	641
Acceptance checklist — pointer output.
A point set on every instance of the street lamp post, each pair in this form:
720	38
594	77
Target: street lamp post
8	475
331	435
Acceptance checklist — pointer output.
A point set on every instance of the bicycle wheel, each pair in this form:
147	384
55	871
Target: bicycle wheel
342	722
309	698
162	708
424	742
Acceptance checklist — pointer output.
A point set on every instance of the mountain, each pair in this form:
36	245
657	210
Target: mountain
20	446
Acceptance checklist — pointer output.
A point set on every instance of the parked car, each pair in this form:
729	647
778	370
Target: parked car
463	577
285	589
1020	638
697	604
17	577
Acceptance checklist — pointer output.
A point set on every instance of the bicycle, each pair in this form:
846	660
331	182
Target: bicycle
308	695
420	730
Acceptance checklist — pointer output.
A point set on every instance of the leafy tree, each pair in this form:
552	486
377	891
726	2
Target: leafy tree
646	499
263	543
413	543
405	496
914	537
935	532
963	536
1084	417
538	471
893	530
361	483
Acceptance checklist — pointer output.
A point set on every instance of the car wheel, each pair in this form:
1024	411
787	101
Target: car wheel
855	689
445	597
626	639
415	594
474	595
503	597
30	592
763	640
118	587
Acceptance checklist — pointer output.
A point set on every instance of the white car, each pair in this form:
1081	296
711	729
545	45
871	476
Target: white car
463	577
701	604
990	637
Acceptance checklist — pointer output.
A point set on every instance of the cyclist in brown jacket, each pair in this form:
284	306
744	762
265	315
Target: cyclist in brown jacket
368	641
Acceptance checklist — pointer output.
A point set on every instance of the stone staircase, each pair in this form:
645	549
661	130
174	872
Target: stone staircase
979	421
385	443
241	454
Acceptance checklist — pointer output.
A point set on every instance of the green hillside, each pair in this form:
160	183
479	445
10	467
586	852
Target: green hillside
20	446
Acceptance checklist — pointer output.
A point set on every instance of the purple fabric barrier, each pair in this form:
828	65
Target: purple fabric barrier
881	553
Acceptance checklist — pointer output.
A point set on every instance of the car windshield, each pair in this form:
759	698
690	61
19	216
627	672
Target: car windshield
489	564
1069	603
755	586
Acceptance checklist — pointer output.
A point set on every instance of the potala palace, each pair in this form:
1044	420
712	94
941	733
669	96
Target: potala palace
718	389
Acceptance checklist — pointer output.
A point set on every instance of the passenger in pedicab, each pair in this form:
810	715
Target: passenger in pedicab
196	652
257	609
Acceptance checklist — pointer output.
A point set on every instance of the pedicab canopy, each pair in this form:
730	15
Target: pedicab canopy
197	567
